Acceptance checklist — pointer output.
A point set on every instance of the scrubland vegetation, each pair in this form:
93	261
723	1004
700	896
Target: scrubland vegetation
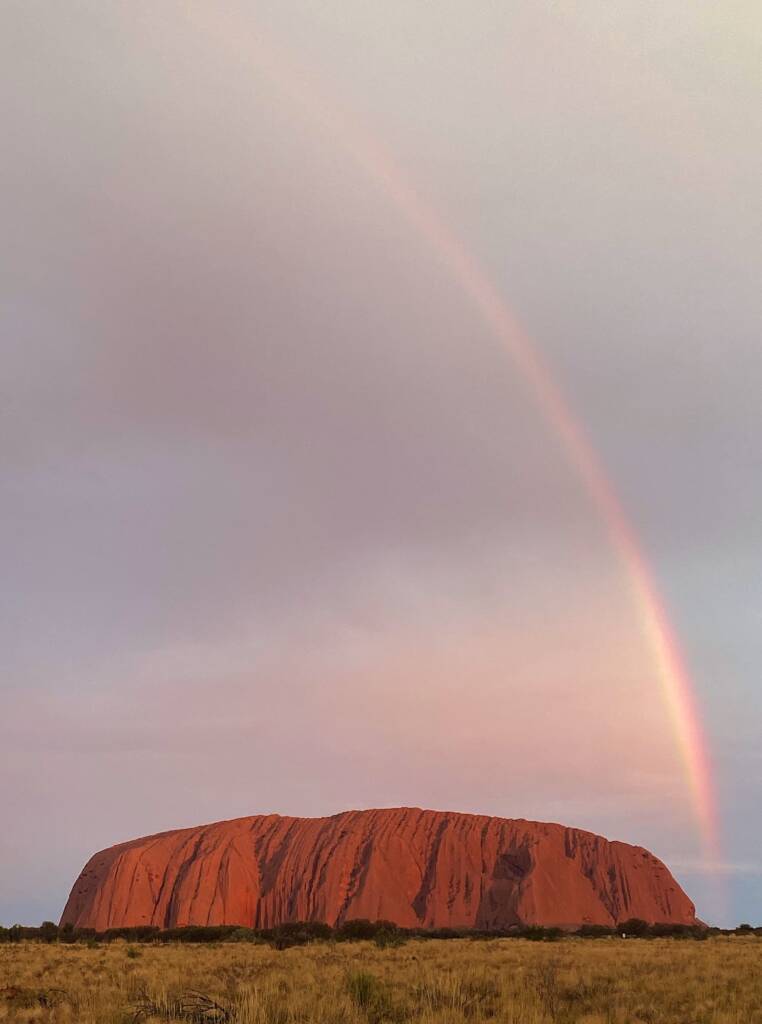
572	980
383	933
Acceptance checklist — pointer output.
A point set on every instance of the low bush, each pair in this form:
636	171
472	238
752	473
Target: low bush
383	933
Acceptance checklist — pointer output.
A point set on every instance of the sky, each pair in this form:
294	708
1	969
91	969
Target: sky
284	528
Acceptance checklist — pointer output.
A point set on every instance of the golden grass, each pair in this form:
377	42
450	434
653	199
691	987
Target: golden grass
608	981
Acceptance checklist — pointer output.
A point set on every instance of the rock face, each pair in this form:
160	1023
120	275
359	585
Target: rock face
417	868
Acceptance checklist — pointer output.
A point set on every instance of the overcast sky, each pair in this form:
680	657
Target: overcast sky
283	528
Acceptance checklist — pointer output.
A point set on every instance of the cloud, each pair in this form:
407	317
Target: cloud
712	868
281	526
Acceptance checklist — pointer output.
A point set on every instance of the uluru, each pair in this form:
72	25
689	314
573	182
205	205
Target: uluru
417	868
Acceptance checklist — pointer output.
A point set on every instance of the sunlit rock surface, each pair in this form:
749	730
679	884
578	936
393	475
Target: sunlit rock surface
417	868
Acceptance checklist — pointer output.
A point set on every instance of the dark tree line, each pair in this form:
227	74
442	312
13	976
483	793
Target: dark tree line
383	933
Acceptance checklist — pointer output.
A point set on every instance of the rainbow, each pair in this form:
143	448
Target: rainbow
377	164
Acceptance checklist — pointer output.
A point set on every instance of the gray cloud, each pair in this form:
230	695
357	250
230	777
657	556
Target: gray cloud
240	395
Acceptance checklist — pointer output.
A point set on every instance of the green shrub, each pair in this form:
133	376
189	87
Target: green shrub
595	931
634	927
537	934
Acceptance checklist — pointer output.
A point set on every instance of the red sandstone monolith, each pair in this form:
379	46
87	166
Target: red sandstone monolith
429	869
